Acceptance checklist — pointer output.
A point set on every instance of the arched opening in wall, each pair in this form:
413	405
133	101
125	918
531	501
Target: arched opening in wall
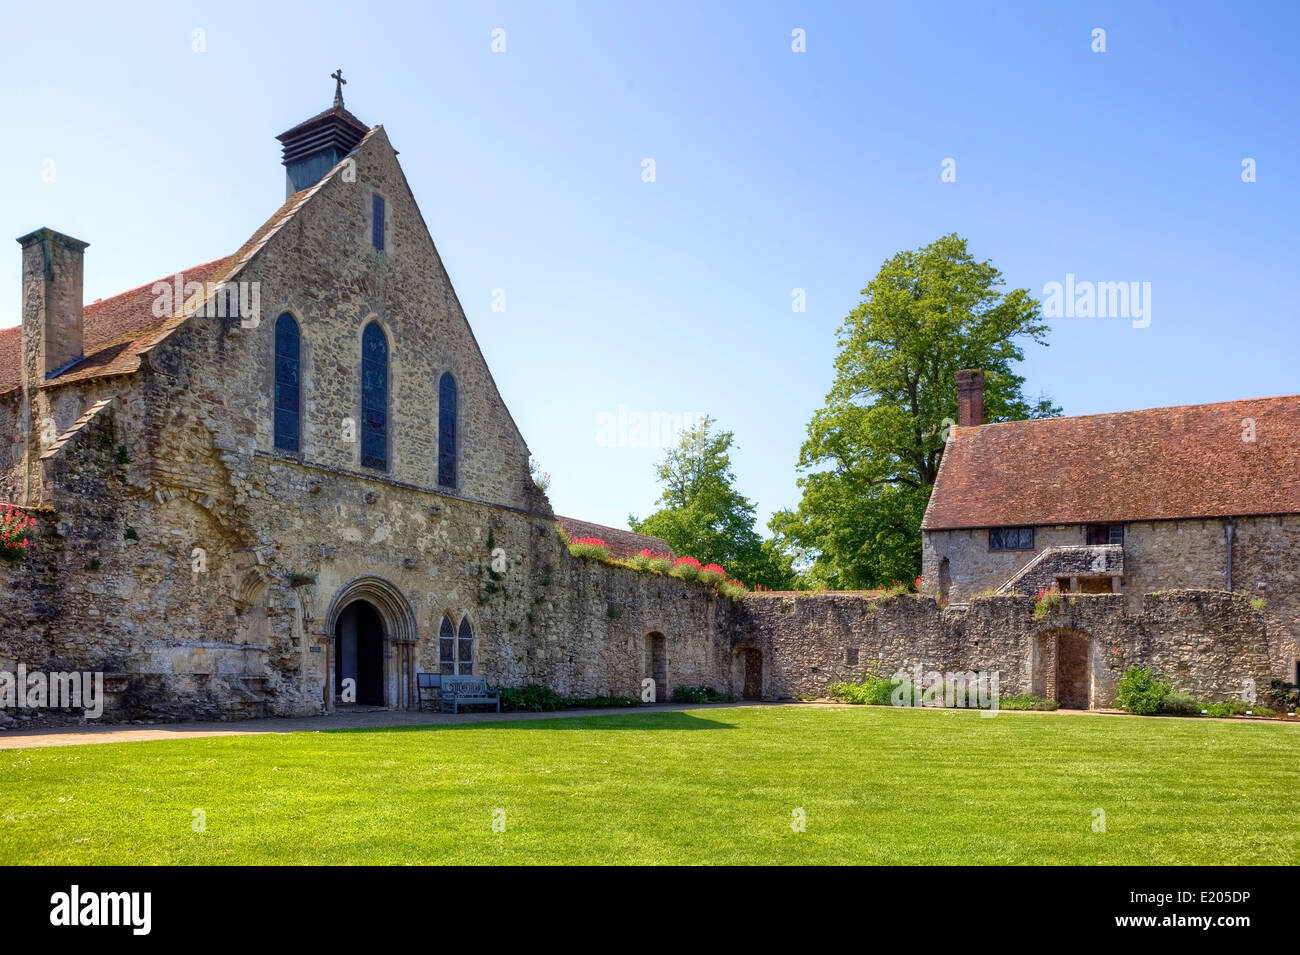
655	664
945	578
1062	667
359	654
753	685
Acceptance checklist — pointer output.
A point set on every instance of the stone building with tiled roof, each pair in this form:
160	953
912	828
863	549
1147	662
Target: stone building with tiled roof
1202	497
284	480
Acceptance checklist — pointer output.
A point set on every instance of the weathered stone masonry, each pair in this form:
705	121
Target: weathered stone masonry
209	575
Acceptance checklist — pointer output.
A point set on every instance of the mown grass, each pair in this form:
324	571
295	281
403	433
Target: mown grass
877	784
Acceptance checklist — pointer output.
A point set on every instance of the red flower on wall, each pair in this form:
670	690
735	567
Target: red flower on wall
15	531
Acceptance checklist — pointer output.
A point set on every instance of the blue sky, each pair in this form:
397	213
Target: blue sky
774	170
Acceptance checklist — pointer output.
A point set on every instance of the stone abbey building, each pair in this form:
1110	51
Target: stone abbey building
288	467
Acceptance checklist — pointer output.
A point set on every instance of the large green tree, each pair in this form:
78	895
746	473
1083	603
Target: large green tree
873	451
701	514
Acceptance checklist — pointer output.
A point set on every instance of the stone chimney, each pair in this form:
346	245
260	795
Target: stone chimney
970	398
53	326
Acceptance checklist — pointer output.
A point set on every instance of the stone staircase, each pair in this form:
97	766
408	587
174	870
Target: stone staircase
1081	561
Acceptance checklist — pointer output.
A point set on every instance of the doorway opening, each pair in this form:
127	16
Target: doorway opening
359	655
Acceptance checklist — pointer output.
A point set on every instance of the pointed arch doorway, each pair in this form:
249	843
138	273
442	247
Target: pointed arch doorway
359	655
372	636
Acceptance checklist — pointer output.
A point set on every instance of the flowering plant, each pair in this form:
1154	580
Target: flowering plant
589	547
15	532
711	574
1046	600
732	588
686	568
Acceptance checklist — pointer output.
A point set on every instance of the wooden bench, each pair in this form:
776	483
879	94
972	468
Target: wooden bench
458	691
427	687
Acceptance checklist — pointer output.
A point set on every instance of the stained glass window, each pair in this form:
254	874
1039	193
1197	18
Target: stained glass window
377	222
447	431
288	387
374	398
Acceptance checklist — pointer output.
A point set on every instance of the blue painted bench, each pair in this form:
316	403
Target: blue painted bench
427	687
458	691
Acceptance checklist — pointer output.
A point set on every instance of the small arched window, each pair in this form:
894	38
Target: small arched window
447	430
374	398
447	647
288	384
465	648
455	649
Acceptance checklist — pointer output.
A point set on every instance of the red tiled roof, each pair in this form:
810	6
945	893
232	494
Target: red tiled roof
622	543
120	329
1158	464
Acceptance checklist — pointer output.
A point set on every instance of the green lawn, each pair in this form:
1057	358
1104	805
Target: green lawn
705	786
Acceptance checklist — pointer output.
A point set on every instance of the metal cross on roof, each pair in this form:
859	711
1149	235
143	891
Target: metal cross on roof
339	81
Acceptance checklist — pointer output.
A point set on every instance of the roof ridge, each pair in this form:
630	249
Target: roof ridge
1131	411
143	285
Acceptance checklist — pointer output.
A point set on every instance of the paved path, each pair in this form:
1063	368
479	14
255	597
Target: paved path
363	719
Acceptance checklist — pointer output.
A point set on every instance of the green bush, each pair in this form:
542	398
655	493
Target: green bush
659	565
1141	692
1027	701
732	588
1281	695
533	698
590	547
1261	711
1180	703
1218	709
700	694
872	691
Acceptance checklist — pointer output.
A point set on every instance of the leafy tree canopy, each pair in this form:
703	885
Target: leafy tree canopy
701	513
873	451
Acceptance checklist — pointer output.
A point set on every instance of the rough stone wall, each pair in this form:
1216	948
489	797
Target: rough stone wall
1158	556
1206	642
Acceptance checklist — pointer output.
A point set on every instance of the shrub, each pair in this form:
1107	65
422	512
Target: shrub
1180	703
1281	695
1257	603
686	568
641	560
15	532
711	574
592	547
533	698
892	592
700	694
1027	701
1047	600
732	588
872	691
1218	709
1140	692
660	563
1260	711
